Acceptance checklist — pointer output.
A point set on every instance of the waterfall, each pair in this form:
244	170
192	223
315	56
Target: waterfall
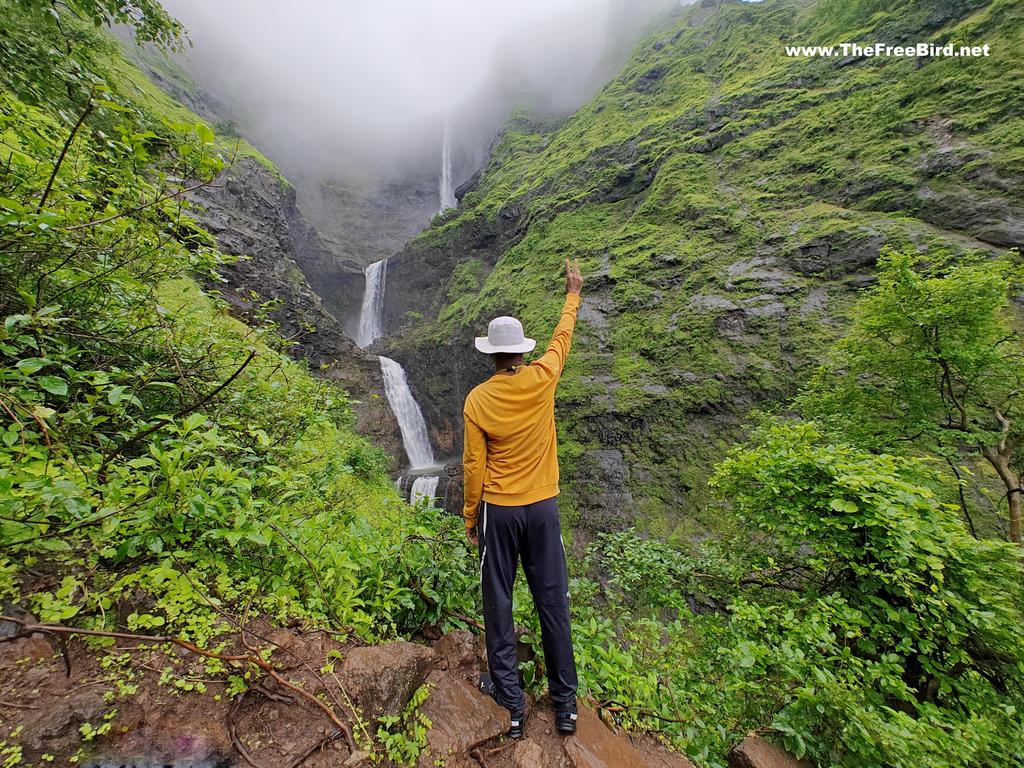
407	411
371	315
426	486
447	182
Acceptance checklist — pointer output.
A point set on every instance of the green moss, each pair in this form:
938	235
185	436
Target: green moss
694	189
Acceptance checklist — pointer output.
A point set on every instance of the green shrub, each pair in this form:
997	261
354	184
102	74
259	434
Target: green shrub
892	635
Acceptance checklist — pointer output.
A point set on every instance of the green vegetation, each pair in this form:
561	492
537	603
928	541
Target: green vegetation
934	362
726	202
167	469
147	18
161	463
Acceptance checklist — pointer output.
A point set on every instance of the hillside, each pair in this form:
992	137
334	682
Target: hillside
203	557
727	203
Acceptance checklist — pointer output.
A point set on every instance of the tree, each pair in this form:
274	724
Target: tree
150	22
935	360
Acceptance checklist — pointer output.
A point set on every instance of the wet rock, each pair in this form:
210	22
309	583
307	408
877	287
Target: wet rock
986	217
88	706
11	628
765	271
595	746
755	752
528	754
53	728
648	81
382	678
604	479
35	647
458	650
816	301
838	253
461	718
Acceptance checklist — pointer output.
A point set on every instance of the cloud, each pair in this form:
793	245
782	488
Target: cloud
330	86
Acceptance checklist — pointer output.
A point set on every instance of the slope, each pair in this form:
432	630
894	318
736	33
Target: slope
726	202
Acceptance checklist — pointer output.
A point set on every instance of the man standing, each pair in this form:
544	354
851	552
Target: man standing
510	466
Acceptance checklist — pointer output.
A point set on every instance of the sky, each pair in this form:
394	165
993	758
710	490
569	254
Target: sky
350	84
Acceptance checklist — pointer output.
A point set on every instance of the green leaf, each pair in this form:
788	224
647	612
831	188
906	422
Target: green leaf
32	364
42	412
54	385
844	505
115	395
204	132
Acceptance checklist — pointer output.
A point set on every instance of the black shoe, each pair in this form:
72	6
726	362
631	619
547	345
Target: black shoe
518	719
565	721
517	726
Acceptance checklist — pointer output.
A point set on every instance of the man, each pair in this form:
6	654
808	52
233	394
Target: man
510	466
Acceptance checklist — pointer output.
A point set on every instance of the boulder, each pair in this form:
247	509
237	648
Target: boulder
755	752
382	678
461	718
34	647
595	746
458	650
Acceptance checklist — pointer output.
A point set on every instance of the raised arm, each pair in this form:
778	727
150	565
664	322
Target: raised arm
474	460
554	358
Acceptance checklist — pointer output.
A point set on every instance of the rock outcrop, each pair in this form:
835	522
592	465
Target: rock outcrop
755	752
252	212
152	723
380	679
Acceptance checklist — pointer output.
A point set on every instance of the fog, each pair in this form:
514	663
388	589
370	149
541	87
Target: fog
362	86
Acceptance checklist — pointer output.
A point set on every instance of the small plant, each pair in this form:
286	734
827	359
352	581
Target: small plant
90	732
403	737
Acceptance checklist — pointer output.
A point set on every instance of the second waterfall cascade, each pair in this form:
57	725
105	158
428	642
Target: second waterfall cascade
447	184
412	425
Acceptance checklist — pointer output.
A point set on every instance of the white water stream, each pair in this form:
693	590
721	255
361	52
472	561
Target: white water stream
424	486
371	314
415	437
447	186
407	411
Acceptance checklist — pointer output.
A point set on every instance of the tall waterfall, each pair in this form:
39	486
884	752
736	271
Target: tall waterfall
371	315
407	411
447	189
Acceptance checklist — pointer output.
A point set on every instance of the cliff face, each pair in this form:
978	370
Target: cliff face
726	202
363	221
252	213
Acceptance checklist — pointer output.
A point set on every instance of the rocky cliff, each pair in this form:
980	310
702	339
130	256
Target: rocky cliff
726	201
252	212
289	273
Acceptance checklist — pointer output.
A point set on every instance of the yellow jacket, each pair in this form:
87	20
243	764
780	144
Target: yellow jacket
510	452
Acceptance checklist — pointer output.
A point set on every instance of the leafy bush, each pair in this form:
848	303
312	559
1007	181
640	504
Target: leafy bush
894	634
933	363
851	616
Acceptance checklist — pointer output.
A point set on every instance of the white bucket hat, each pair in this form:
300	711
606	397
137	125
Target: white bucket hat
504	334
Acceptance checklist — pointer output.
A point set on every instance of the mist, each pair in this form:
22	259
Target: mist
359	87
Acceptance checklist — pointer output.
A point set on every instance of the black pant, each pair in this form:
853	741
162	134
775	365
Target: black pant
532	532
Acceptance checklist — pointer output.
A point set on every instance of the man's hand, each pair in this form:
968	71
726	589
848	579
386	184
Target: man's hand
473	535
573	277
